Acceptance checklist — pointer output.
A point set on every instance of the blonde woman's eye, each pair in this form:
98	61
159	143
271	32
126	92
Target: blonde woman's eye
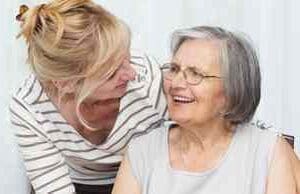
112	75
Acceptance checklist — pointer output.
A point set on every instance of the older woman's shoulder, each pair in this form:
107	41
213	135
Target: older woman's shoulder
258	138
258	130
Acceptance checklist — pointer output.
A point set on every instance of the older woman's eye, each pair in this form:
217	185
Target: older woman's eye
174	68
194	72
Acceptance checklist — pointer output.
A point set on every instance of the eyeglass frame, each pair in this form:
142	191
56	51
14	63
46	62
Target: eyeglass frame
202	76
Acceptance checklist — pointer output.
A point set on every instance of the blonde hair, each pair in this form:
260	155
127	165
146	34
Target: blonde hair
73	40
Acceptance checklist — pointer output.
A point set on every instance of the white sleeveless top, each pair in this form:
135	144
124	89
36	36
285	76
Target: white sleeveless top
242	170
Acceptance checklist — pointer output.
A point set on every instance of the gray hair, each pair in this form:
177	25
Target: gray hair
240	69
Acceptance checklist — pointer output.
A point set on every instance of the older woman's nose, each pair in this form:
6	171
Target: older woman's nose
179	80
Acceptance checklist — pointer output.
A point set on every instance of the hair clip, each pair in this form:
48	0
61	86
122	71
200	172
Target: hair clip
22	10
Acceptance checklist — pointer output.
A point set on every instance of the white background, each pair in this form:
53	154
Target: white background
272	24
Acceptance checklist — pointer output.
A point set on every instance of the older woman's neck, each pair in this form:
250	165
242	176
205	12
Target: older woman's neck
207	134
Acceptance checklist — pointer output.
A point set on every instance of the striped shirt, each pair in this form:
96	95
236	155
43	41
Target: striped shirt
56	155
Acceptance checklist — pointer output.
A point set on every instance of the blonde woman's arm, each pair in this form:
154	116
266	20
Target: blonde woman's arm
125	181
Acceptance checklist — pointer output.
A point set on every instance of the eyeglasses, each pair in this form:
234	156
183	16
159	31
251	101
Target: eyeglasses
192	75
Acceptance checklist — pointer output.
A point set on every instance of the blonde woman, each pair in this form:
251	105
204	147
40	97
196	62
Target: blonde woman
85	99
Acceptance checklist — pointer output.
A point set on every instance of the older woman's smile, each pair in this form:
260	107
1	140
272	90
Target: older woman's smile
182	99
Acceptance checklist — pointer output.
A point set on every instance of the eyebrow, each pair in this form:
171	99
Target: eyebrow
189	66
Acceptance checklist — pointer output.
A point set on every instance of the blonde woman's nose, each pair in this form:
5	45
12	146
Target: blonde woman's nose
128	72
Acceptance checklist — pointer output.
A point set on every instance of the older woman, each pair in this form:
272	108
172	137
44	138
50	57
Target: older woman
212	86
85	99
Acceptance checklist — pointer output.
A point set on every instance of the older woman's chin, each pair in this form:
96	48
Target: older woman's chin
180	117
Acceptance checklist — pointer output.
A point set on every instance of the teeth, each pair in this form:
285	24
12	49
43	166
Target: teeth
182	99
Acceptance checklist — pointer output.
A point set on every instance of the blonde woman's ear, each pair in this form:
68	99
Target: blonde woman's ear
65	86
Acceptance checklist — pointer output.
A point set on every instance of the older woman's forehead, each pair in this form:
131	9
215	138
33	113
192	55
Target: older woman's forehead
203	54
